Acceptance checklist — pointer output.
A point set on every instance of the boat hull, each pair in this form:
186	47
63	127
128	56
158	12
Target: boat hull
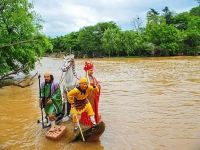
90	133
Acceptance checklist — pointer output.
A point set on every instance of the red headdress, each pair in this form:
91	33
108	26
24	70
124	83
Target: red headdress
88	65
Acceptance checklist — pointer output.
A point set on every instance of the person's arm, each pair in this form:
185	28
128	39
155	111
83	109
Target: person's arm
71	96
97	83
94	88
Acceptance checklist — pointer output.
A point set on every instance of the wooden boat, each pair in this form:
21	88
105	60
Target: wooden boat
90	133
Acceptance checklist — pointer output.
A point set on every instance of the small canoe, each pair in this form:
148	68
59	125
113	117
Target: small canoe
90	133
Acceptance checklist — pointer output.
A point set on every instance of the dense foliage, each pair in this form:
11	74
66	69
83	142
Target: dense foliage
21	42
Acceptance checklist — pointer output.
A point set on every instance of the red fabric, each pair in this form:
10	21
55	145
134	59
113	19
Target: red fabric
96	110
88	66
85	119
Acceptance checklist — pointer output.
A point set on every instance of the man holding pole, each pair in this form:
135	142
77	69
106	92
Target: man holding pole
77	97
93	97
50	97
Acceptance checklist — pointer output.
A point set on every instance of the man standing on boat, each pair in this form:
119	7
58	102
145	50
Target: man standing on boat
93	97
51	99
79	102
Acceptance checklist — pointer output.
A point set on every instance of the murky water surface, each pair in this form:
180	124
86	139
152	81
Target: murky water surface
146	103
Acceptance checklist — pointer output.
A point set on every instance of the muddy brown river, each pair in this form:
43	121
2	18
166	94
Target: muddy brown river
146	104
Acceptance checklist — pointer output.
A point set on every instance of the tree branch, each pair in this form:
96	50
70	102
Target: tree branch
20	42
28	79
6	76
23	83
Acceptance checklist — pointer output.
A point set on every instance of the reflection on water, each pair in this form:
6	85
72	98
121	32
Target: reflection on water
146	103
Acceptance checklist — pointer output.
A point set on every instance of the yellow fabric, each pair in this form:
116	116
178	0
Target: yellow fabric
83	80
87	108
75	93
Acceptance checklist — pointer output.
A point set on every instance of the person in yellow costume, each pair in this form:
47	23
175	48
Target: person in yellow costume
77	97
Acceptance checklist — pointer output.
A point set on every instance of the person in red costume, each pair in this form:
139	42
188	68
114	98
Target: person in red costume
93	97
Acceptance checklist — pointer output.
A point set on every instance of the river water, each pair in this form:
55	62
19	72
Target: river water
146	104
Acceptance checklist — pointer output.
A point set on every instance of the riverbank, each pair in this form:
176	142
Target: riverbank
61	55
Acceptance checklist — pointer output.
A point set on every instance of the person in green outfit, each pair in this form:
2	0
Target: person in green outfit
51	98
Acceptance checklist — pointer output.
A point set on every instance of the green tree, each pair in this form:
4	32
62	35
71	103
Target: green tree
181	21
90	37
111	41
152	16
168	15
129	42
100	28
195	11
72	42
87	41
191	42
21	42
165	37
66	43
134	43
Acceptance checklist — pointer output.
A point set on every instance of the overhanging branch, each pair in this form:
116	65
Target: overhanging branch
6	76
21	42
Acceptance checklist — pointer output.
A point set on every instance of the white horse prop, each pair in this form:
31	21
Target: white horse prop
69	79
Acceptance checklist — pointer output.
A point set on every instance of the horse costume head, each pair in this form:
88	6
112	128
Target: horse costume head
70	79
68	62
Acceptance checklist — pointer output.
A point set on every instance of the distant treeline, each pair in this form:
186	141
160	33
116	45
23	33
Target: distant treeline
166	34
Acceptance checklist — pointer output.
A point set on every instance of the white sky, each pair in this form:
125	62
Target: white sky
64	16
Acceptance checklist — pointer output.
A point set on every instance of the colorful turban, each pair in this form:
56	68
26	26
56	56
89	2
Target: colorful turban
88	65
